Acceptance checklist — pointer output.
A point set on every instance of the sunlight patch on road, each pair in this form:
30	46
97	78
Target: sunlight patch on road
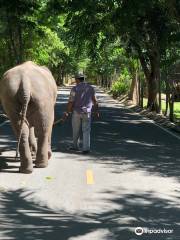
23	184
142	143
95	234
89	177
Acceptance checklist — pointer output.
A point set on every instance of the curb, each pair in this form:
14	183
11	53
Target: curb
157	118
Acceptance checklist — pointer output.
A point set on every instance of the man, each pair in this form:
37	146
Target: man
82	98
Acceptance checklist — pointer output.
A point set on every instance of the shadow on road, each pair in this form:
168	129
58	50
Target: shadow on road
22	218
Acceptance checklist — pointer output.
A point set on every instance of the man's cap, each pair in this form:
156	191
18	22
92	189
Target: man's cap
79	76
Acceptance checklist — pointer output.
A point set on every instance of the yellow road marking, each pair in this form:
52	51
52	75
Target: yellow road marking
89	177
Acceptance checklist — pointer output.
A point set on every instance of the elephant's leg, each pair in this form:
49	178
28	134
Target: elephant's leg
43	129
25	154
49	141
49	148
42	151
32	141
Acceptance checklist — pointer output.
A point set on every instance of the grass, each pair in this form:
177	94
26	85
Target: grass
163	103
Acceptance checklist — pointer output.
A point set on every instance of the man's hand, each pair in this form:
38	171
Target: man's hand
97	115
65	116
63	119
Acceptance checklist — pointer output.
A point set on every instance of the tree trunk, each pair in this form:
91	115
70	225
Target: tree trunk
102	81
159	88
106	81
99	80
151	69
11	38
110	81
134	89
10	60
21	57
152	94
171	108
141	94
167	98
154	82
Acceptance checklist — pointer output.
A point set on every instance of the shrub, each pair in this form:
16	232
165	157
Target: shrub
121	86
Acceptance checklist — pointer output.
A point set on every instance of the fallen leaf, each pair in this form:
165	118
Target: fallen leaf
49	178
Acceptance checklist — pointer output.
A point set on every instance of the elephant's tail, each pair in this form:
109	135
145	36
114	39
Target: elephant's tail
25	98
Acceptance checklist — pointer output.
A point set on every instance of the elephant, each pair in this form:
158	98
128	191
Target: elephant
28	95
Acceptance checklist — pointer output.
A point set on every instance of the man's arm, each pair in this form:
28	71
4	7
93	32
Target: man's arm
69	105
96	107
68	111
95	103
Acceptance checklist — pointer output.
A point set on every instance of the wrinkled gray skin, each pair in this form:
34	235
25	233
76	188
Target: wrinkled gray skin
28	95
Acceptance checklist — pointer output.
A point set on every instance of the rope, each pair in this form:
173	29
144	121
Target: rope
61	120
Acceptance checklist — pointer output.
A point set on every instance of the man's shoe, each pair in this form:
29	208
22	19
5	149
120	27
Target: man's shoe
86	152
73	149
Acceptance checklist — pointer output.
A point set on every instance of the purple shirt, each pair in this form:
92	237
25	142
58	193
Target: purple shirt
81	95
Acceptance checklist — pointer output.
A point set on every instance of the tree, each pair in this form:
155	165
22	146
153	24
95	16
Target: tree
17	20
28	32
144	28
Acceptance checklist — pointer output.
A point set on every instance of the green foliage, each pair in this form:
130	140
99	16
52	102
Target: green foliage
47	48
29	32
119	88
106	40
122	85
146	29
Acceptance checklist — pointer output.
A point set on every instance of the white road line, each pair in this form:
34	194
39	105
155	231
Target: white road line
164	129
150	120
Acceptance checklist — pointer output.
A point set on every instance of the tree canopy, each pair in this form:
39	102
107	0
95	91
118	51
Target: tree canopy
103	38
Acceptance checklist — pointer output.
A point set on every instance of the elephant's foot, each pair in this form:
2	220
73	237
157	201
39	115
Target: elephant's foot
26	165
25	170
40	165
41	162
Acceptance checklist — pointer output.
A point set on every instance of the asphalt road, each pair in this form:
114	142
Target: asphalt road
130	179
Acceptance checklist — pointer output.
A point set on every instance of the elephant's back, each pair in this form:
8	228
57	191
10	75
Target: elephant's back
28	82
43	85
38	78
